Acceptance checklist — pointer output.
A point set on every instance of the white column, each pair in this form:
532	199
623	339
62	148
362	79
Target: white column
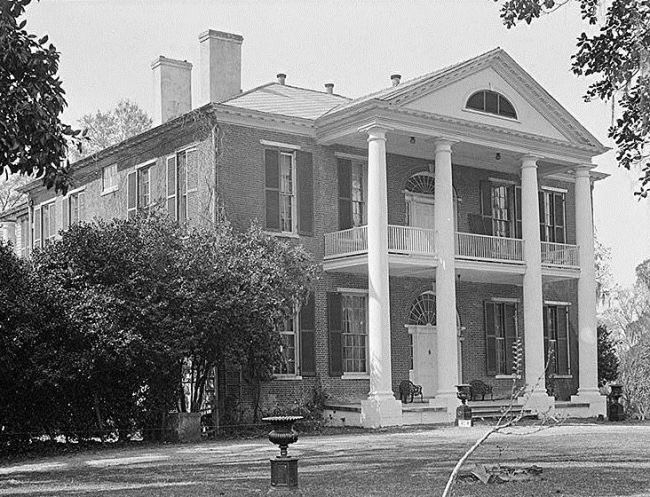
587	341
445	237
381	408
533	295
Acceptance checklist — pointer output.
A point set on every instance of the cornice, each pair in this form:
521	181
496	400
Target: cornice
276	122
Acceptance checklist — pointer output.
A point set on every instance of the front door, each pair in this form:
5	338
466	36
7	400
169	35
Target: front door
421	211
424	370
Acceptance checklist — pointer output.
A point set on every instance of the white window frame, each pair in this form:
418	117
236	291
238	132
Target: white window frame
356	374
138	169
362	168
296	375
114	186
51	236
549	192
294	185
552	303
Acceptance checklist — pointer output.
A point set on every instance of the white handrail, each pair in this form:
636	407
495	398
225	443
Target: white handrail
410	240
346	242
560	254
486	247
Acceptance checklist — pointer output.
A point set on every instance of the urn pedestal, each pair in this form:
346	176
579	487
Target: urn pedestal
284	469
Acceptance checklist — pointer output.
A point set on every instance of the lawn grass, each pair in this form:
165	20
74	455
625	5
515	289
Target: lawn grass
579	460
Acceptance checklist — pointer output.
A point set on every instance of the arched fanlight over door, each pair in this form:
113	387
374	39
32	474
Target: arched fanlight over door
423	310
421	183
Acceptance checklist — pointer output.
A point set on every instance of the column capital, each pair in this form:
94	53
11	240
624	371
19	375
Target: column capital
583	170
529	161
443	144
375	131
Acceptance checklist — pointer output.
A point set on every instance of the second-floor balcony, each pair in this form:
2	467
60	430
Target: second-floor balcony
418	243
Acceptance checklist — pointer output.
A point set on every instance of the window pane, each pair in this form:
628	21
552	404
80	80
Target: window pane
286	192
491	102
74	209
505	108
477	101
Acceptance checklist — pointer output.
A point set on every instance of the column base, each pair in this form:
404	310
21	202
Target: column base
381	410
449	401
538	402
597	401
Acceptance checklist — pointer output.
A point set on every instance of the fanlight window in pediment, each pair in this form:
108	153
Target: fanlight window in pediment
492	103
423	310
422	183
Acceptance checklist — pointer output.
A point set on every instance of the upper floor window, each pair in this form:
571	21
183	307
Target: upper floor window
288	189
552	216
182	182
500	210
44	224
109	178
492	103
23	223
352	193
139	190
73	208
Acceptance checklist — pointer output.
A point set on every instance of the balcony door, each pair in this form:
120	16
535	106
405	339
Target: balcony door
420	201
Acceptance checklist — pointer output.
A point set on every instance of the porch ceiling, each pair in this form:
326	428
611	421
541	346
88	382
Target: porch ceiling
463	153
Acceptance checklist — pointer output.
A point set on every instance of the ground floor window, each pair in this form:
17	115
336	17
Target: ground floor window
355	333
500	334
288	347
556	339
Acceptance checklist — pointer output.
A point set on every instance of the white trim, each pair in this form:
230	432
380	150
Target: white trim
507	377
563	376
76	190
503	181
286	377
343	155
494	89
555	302
282	234
363	291
145	164
186	147
287	146
356	376
554	189
505	299
112	189
489	114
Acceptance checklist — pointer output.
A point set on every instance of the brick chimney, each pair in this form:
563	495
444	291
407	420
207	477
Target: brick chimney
220	65
172	91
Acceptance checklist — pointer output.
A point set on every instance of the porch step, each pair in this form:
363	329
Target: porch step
494	410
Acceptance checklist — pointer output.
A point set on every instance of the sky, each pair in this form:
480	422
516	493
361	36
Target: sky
107	47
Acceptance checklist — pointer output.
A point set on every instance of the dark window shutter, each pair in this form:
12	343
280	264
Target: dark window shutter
486	206
131	195
335	334
307	338
171	187
305	173
345	193
81	202
518	207
490	339
545	319
562	341
542	217
510	333
559	218
272	189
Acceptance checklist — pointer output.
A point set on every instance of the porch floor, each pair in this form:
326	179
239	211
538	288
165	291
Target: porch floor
426	412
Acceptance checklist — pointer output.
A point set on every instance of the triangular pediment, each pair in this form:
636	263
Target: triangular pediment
445	93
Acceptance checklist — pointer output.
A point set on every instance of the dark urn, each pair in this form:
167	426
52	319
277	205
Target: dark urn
284	469
463	411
